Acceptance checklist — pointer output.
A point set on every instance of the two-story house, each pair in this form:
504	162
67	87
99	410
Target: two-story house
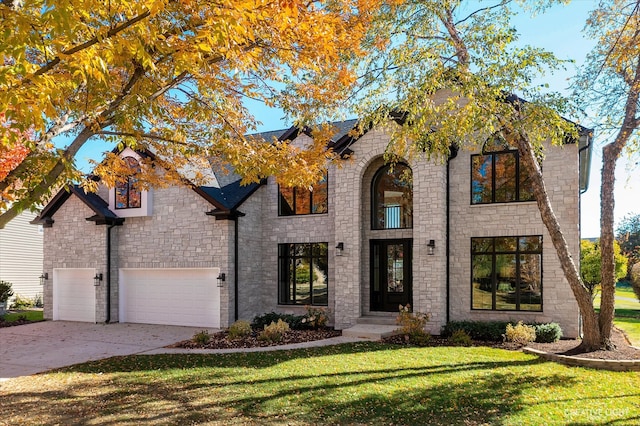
458	239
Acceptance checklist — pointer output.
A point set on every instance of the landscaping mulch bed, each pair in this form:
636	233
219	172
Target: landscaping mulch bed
219	340
623	351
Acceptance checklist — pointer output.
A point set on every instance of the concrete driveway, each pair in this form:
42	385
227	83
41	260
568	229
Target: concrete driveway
33	348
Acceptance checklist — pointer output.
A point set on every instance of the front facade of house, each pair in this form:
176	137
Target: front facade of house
462	239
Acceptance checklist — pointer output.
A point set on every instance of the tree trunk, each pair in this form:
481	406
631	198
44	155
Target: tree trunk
591	332
610	154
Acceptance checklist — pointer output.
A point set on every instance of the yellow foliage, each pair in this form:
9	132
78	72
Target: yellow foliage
172	76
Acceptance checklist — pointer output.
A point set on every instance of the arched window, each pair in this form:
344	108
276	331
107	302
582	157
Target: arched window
128	196
392	198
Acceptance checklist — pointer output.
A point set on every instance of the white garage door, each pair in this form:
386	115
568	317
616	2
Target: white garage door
74	296
170	296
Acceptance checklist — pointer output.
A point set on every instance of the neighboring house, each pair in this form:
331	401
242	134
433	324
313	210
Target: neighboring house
464	240
21	256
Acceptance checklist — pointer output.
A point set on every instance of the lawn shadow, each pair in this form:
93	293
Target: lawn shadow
336	398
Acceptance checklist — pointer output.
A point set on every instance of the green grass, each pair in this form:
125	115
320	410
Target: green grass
365	383
627	317
31	316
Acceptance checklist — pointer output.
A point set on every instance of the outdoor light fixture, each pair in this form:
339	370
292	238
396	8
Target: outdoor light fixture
222	277
97	279
339	248
44	277
431	246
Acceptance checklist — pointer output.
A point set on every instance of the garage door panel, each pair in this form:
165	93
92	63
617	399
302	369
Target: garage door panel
170	296
74	297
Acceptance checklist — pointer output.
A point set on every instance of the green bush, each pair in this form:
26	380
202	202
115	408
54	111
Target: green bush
520	333
294	321
412	325
201	337
491	331
22	302
239	329
548	333
274	331
5	291
460	338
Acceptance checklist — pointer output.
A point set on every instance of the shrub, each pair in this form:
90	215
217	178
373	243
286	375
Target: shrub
22	302
478	330
5	291
274	331
239	329
37	301
294	321
412	325
520	333
201	337
315	318
548	333
460	338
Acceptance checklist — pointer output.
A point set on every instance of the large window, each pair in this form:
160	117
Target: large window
392	198
498	176
299	201
303	274
128	196
506	273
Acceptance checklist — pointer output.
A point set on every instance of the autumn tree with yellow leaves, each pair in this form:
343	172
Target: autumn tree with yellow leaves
170	76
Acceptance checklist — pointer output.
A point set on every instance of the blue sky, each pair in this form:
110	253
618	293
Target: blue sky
558	30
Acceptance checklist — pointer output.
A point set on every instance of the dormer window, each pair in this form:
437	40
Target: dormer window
128	196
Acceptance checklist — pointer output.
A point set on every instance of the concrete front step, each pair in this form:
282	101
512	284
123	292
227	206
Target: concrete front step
378	319
370	331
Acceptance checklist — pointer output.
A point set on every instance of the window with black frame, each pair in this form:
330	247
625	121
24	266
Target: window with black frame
506	273
128	196
498	175
302	201
303	274
392	198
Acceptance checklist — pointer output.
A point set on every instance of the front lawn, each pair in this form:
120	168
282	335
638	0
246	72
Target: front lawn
30	315
365	383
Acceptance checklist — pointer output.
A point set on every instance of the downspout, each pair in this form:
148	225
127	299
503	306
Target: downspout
108	273
236	265
448	262
453	153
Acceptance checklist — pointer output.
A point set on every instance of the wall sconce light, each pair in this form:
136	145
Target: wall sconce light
44	277
339	248
222	277
431	247
97	279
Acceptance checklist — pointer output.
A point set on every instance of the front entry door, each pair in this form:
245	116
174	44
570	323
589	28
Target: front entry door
390	274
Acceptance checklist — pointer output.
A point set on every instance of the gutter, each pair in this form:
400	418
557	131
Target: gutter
584	159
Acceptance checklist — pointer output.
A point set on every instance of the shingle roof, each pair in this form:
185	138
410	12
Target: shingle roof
99	206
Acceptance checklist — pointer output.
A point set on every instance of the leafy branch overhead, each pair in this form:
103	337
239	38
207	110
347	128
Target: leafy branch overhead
171	76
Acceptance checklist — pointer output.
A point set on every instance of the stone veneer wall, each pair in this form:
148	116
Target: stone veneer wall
313	228
73	242
254	292
560	169
353	226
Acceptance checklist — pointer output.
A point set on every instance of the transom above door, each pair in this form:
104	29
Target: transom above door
391	281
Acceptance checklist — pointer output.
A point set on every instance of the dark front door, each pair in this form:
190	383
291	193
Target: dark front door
390	274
